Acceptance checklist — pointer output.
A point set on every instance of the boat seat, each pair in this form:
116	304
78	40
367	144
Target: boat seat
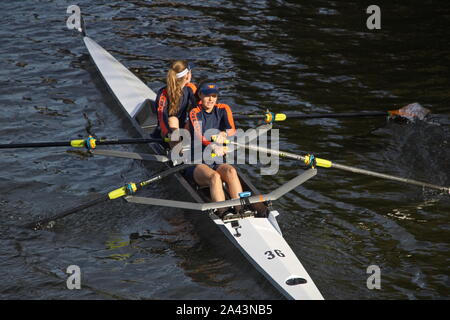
145	116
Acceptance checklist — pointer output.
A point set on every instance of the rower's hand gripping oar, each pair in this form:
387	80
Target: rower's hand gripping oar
89	143
312	161
411	111
260	130
128	189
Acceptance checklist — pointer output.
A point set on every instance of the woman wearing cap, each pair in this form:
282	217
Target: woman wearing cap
208	114
174	101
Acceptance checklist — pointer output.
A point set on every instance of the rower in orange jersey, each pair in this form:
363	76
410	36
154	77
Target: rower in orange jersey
209	114
176	99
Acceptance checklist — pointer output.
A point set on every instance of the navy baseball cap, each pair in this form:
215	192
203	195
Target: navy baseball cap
209	88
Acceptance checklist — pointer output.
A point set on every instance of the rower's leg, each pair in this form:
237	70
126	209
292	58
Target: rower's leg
205	176
229	175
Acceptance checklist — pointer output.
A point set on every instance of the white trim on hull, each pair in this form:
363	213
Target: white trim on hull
129	90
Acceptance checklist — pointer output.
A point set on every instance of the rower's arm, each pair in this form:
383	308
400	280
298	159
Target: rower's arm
227	120
196	127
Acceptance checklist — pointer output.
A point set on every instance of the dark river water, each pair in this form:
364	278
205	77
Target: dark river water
289	56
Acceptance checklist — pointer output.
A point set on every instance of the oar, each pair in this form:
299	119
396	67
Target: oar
411	111
310	160
128	189
89	143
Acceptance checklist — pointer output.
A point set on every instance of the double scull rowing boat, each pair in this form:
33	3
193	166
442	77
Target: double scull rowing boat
259	238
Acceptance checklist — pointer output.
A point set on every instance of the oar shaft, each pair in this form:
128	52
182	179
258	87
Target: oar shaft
117	193
249	116
123	191
281	154
389	177
35	145
165	173
284	154
126	141
317	115
76	143
43	222
338	115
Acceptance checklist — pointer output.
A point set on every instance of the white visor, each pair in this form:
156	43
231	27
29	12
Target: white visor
182	73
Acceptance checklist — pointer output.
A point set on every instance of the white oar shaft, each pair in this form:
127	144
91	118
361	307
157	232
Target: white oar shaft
281	154
284	154
389	177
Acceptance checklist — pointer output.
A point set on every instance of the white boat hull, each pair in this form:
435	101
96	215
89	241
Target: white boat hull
264	246
259	239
